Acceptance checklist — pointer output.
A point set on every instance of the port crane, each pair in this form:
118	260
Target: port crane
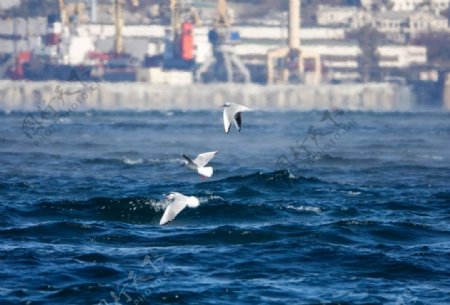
119	23
179	50
224	58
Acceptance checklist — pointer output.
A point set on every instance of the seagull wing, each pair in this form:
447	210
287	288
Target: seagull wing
189	160
203	159
227	118
206	172
236	110
239	108
238	121
232	114
173	209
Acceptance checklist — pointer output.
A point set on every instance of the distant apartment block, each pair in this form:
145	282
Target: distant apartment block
340	60
408	5
402	56
410	22
335	15
395	23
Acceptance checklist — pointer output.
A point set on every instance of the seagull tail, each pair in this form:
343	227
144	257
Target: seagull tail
205	171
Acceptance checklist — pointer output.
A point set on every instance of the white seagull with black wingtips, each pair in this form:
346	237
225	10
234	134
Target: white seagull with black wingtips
232	114
199	163
178	203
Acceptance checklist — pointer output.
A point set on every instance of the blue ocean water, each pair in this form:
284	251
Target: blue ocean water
303	208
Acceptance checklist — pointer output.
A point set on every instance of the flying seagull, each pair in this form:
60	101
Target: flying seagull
199	163
178	203
232	113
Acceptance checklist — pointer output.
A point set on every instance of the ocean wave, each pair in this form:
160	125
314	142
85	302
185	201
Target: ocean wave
328	158
273	178
139	125
431	157
213	209
442	196
301	208
58	229
130	161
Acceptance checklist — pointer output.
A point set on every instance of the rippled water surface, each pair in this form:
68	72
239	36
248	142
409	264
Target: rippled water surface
303	208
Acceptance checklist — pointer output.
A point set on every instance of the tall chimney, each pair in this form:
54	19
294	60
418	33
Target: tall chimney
294	24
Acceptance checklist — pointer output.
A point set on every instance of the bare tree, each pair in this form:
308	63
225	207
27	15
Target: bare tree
368	39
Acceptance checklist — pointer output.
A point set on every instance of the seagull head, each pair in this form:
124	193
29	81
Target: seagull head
170	196
226	105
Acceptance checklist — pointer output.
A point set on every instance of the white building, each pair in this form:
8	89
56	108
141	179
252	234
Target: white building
281	33
402	56
340	60
398	25
246	32
7	4
409	5
425	21
335	15
154	35
404	22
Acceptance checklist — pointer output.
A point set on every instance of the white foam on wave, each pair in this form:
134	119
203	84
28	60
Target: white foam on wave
353	193
160	205
211	197
156	205
129	161
305	209
431	157
167	160
64	121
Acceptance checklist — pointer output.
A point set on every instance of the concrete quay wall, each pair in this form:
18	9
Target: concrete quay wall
29	96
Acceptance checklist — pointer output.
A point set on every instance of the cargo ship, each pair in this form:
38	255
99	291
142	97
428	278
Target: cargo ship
61	57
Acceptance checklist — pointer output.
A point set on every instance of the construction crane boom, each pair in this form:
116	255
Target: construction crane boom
119	23
223	40
222	14
62	12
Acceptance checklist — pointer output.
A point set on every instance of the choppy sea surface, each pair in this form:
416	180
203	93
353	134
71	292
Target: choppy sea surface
303	208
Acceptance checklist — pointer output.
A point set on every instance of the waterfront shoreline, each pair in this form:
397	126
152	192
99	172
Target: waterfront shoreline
29	96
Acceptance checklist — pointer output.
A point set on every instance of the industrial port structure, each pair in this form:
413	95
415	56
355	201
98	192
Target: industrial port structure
178	54
190	52
194	46
301	65
296	64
